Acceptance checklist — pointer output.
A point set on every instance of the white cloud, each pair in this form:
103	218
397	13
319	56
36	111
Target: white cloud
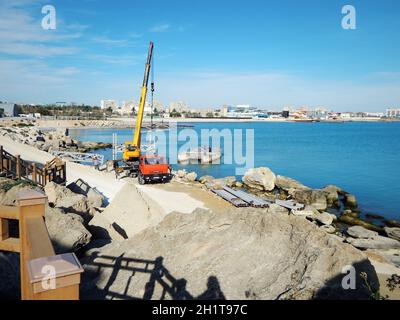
109	41
118	59
160	28
21	33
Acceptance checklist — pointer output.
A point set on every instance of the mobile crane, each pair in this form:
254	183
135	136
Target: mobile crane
148	168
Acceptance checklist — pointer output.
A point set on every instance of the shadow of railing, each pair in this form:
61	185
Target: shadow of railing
172	288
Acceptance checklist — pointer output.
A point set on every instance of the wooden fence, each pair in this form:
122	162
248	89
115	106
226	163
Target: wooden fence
44	275
15	168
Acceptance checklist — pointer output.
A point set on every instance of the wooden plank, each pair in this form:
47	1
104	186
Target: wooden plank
3	229
237	202
249	198
290	204
8	212
60	282
38	238
64	293
10	245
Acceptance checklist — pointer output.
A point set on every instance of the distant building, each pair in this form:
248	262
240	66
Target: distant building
105	104
393	113
127	107
61	104
179	106
9	109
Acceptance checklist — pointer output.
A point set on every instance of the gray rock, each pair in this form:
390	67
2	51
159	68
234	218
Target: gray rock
393	233
205	179
260	178
66	231
238	184
10	188
93	197
332	194
316	198
227	181
285	257
181	173
190	177
377	242
324	218
308	211
328	229
62	197
391	255
361	232
350	201
287	183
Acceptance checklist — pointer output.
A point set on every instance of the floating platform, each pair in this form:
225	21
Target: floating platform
95	158
201	155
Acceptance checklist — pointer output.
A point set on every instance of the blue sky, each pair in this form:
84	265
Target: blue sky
207	53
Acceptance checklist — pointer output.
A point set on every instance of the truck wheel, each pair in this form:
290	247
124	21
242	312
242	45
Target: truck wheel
141	179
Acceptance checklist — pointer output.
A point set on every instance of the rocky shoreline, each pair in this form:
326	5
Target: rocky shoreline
286	254
49	140
331	208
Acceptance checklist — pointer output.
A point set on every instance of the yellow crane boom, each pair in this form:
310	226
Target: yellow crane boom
132	148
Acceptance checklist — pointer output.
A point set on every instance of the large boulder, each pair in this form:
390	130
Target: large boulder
287	183
377	242
94	198
354	221
308	211
316	198
350	201
323	218
10	188
260	178
62	197
236	254
190	177
393	233
361	233
332	194
66	231
205	179
221	183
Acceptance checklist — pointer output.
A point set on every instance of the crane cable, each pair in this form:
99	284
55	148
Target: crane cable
152	93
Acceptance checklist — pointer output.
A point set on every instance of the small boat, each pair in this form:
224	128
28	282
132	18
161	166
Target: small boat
201	155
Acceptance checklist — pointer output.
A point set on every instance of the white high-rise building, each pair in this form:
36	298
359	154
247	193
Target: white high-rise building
179	106
393	113
105	104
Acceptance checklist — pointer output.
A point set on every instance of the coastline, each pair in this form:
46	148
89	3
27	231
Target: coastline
184	197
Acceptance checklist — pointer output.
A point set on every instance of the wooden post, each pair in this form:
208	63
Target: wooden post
18	167
3	229
34	172
44	275
1	158
31	204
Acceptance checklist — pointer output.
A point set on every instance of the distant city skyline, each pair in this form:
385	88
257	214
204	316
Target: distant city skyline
263	53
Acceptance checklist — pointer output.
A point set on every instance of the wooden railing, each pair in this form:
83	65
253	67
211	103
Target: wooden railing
15	168
44	275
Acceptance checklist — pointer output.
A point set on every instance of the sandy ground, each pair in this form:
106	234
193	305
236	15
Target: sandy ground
200	198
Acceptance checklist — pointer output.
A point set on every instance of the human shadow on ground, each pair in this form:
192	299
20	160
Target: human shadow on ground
158	275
